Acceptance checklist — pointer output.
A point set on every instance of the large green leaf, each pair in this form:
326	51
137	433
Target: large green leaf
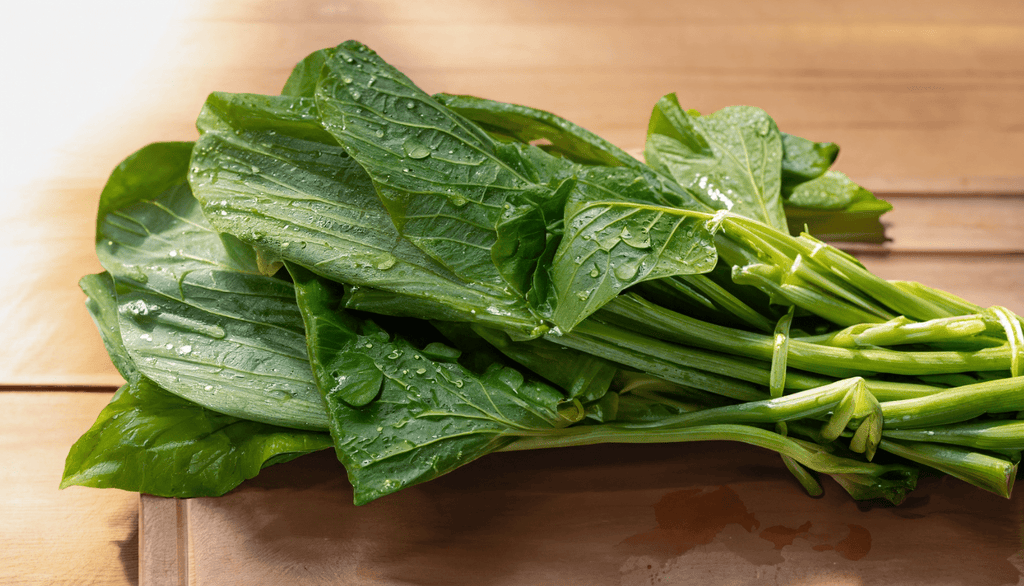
475	205
430	416
266	171
619	232
731	159
194	314
151	441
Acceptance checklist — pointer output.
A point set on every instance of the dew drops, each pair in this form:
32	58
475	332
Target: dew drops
414	149
625	272
595	272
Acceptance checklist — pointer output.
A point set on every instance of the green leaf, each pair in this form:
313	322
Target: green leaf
835	208
730	159
446	184
832	191
528	125
803	160
302	81
151	441
350	376
579	374
618	232
431	417
266	171
194	314
101	301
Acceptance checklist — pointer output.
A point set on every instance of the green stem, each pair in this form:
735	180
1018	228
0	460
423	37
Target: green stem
982	435
988	472
700	370
861	479
637	314
956	404
727	301
777	377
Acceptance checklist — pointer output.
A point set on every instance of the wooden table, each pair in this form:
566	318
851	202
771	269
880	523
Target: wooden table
926	99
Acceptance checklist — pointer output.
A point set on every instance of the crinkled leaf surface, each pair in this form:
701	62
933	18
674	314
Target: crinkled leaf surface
266	171
619	232
194	314
731	159
471	203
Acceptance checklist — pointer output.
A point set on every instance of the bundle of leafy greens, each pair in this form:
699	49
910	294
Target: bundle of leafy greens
416	281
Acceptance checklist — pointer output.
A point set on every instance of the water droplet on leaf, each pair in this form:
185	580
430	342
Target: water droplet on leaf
415	149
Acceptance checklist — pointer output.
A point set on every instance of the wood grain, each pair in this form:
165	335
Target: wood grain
926	98
78	536
712	513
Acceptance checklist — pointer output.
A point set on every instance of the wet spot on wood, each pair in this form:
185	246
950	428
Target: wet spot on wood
782	536
853	547
691	517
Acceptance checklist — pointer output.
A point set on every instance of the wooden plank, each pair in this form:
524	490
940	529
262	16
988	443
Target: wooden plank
957	225
80	536
983	280
602	515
